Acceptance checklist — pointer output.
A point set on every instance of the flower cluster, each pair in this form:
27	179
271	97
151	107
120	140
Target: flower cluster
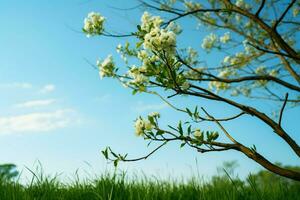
185	85
242	4
174	27
198	133
93	24
238	60
142	125
154	114
221	85
160	39
248	48
156	38
209	41
191	6
106	67
218	85
195	73
149	22
261	70
138	77
225	38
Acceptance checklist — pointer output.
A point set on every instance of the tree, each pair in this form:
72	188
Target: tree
256	42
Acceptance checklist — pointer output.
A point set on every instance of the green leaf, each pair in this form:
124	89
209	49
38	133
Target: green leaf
105	153
134	92
151	119
171	127
160	132
180	130
182	145
139	44
116	162
189	112
189	130
115	155
214	135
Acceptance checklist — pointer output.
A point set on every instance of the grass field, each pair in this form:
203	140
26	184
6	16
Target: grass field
111	186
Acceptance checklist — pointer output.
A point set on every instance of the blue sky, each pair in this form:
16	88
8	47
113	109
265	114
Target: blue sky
55	109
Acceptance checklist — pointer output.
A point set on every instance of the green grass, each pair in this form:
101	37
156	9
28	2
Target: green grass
110	186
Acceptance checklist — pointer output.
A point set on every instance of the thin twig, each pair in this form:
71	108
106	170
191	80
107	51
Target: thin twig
273	52
219	124
145	157
260	7
283	14
282	109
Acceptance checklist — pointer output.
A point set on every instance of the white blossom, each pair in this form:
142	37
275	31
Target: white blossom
248	48
261	70
149	22
234	92
240	3
296	11
239	59
225	73
194	73
93	24
198	133
119	48
138	77
154	114
192	5
107	67
218	85
142	55
225	38
160	39
141	125
209	41
185	85
174	27
227	59
273	72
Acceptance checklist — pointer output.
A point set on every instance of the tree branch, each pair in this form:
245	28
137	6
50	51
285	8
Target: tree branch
283	14
282	109
146	156
274	52
260	8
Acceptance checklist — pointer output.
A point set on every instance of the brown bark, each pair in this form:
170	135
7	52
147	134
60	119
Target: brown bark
268	165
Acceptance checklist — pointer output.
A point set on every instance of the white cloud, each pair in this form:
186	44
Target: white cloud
21	85
35	103
142	107
37	122
48	88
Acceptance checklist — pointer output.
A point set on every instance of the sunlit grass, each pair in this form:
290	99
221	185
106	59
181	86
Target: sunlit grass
119	186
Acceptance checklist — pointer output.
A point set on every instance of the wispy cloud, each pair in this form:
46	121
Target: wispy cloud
37	121
35	103
48	88
21	85
142	107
